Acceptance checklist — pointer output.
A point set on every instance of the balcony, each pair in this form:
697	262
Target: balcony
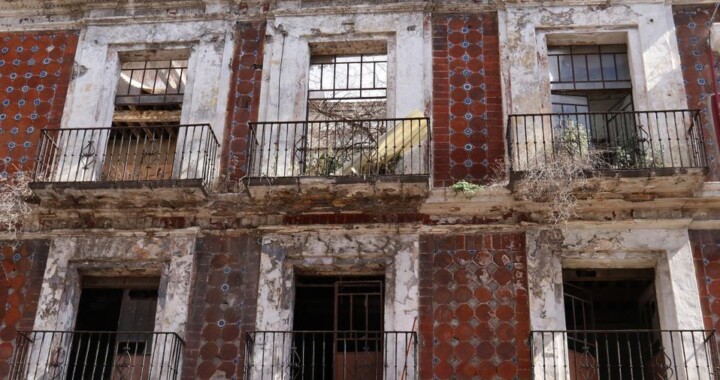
349	355
174	163
340	148
625	354
96	355
653	140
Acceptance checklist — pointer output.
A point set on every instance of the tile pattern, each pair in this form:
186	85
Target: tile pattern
222	308
692	31
474	313
244	96
706	255
35	70
21	279
467	104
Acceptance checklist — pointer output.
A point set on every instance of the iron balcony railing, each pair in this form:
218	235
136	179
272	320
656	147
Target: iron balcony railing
624	354
116	154
619	140
96	355
361	355
340	148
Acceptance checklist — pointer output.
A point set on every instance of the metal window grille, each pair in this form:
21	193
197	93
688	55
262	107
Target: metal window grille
589	67
151	83
348	77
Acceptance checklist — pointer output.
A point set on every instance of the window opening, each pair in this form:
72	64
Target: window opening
338	327
612	321
591	94
347	115
115	320
347	86
144	133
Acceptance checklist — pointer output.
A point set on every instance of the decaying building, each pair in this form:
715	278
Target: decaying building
353	189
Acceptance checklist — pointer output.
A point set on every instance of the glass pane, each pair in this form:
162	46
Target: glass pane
594	69
608	66
314	77
553	66
328	76
580	68
354	75
623	68
381	75
368	75
566	74
341	76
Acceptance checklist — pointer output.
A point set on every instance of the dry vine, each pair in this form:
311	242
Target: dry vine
13	208
555	180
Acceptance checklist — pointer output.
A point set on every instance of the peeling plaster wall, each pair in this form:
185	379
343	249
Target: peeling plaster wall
652	51
334	252
90	100
347	252
171	257
668	251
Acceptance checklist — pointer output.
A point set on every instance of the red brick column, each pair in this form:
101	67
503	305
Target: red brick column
223	307
692	31
35	69
474	313
244	96
467	104
21	279
706	255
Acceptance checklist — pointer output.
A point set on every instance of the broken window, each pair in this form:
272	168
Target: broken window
347	115
148	103
349	87
338	327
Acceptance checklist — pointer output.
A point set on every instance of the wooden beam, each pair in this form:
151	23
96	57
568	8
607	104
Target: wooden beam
129	116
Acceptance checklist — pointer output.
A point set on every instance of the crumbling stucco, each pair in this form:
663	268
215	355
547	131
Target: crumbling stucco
170	257
667	251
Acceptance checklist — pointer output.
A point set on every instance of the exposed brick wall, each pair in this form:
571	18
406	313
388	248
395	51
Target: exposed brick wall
223	306
474	312
692	30
244	96
706	254
35	69
467	104
20	282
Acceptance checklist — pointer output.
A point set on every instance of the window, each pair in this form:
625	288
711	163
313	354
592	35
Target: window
347	115
348	87
590	78
591	94
144	134
612	321
339	325
115	320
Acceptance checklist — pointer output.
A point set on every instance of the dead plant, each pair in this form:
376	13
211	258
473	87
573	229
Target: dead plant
14	190
555	180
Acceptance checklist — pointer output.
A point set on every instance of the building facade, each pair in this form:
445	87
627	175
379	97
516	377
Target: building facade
352	189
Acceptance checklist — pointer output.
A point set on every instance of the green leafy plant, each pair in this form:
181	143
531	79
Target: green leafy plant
466	188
